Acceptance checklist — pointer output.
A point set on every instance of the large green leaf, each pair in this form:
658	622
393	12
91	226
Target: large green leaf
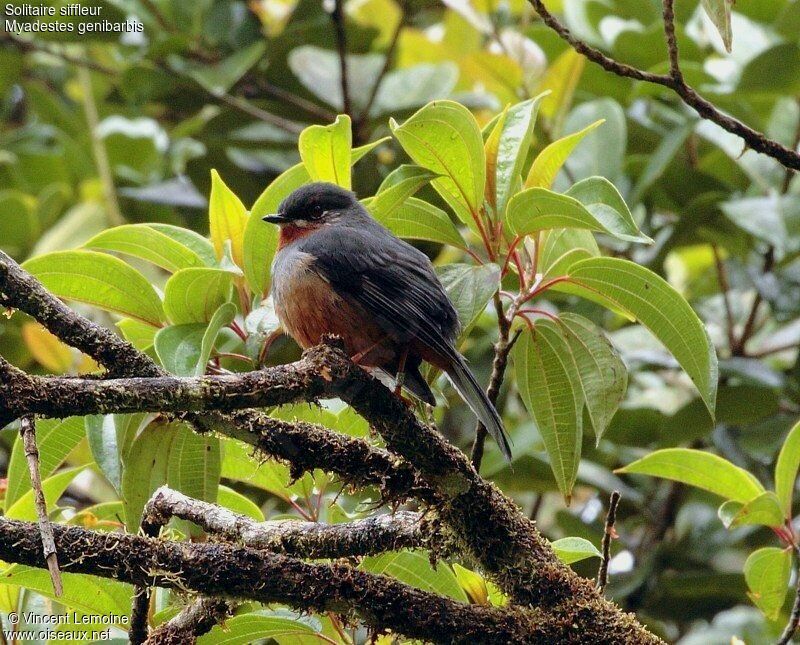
513	147
227	219
194	466
98	279
261	626
258	248
239	464
548	162
562	247
652	301
786	469
470	288
55	439
185	349
194	295
190	239
416	219
398	186
574	549
52	487
444	137
143	241
414	568
767	572
602	375
602	199
550	388
539	209
325	150
701	469
775	71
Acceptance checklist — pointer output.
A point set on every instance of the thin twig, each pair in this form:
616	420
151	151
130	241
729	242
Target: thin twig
752	138
27	433
608	534
794	617
341	45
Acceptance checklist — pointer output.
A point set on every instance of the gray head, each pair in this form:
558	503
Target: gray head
316	204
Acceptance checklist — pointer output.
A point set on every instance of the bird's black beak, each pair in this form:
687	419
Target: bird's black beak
275	218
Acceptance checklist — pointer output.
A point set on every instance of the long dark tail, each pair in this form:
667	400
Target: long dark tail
462	379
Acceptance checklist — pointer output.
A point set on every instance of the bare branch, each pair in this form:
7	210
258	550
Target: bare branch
369	536
608	534
674	81
27	432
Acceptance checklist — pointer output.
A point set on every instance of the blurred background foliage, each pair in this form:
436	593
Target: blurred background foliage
101	130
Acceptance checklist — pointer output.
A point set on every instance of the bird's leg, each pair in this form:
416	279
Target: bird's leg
400	377
360	356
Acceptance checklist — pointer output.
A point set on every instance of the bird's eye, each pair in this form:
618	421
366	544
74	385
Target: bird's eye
317	212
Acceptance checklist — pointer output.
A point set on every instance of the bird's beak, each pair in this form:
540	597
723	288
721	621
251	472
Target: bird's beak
275	218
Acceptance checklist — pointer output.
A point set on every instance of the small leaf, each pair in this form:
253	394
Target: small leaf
414	568
106	440
602	199
786	470
473	584
549	387
416	219
238	503
98	279
221	318
55	440
701	469
549	161
444	137
258	249
764	510
401	184
193	295
661	309
325	150
490	148
144	242
539	209
228	218
720	13
574	549
178	347
767	572
470	288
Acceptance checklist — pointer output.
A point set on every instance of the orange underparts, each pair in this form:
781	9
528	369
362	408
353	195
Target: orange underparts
290	233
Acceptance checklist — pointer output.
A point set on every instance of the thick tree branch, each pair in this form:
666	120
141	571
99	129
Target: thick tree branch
196	619
368	536
674	81
240	572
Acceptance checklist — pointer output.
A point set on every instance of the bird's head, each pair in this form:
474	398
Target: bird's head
314	205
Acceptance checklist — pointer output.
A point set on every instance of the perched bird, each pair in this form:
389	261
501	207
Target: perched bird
338	271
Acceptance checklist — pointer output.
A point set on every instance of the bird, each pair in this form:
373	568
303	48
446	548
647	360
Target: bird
339	271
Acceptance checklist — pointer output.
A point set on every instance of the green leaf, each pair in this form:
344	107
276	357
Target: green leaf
55	440
764	510
407	88
194	295
602	199
325	150
256	627
219	77
227	218
561	248
602	375
473	584
720	13
652	301
574	549
401	184
239	464
258	248
98	279
196	242
767	572
549	161
550	389
52	487
416	219
701	469
491	145
512	151
142	241
221	318
786	470
470	288
238	503
414	568
775	71
108	436
178	347
539	209
194	466
444	137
